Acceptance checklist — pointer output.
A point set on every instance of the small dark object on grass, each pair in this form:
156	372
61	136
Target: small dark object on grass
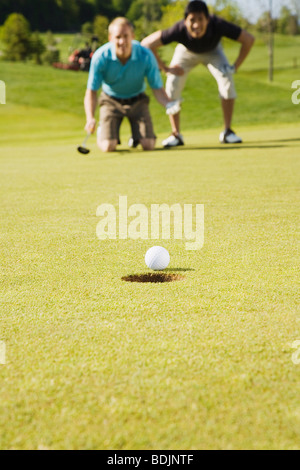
82	148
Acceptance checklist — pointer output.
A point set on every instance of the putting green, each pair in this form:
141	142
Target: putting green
93	362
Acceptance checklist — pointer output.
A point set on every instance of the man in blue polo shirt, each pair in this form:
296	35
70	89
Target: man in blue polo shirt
120	68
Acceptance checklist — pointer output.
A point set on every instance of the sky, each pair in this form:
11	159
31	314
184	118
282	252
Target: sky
253	9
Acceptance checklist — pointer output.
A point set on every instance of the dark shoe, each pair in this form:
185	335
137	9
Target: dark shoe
133	143
229	137
174	140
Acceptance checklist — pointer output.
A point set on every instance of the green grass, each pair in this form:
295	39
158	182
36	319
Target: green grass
258	100
93	362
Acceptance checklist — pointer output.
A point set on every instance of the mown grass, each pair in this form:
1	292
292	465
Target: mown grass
259	101
95	362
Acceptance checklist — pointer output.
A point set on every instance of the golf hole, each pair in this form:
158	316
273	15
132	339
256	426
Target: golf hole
153	277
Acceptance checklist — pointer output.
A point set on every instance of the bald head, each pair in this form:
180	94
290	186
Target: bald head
120	21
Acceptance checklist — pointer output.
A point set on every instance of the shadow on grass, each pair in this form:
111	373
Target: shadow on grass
228	147
246	145
278	140
178	269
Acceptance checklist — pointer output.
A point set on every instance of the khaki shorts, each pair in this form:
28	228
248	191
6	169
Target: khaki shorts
213	60
113	111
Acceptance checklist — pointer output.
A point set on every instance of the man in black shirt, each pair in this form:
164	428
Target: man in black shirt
198	37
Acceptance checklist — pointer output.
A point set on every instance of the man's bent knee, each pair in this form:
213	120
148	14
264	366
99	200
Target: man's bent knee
147	144
107	145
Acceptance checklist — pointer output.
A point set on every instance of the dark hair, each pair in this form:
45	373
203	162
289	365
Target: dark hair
196	6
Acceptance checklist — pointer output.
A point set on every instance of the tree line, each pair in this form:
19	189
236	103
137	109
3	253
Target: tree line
71	15
23	20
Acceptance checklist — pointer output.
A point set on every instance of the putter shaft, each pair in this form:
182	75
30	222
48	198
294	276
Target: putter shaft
82	148
85	140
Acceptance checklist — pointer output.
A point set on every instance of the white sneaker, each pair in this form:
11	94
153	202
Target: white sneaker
229	137
133	143
174	140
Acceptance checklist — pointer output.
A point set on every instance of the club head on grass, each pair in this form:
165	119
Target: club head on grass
83	150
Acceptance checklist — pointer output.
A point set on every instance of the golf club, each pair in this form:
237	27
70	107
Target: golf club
82	148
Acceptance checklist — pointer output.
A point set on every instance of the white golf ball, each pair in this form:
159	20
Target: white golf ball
157	258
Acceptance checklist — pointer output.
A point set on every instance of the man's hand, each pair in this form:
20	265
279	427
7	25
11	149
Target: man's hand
173	107
90	126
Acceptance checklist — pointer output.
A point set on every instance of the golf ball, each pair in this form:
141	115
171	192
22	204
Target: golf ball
157	258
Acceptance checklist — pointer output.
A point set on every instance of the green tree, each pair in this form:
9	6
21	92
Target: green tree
106	8
264	22
121	6
16	36
50	39
145	14
287	22
42	15
87	29
87	10
283	20
70	11
52	53
172	13
135	11
295	4
100	28
293	25
228	10
37	48
57	15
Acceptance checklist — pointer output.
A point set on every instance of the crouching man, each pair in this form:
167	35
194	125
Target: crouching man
120	68
198	36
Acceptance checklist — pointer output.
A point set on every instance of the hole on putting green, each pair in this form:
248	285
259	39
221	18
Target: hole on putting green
153	277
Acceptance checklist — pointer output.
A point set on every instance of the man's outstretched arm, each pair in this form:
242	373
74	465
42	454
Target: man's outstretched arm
90	105
247	40
153	42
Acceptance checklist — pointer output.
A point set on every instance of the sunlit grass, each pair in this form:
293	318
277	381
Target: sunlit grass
94	362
